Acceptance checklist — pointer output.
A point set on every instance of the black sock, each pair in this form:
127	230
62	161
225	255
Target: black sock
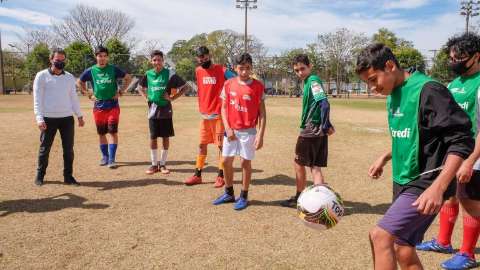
298	194
229	190
198	172
220	173
244	194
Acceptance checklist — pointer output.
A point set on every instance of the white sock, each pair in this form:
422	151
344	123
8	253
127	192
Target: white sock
163	157
154	156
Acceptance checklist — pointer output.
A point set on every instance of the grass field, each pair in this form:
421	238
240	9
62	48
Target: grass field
124	219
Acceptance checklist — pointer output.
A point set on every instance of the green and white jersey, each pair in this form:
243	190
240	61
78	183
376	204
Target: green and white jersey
465	93
104	82
315	108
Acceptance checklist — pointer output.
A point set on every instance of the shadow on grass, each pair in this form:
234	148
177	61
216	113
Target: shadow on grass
50	204
208	169
146	163
119	184
279	179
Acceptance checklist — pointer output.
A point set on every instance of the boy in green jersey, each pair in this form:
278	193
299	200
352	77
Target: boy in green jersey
430	137
464	53
106	110
312	144
156	88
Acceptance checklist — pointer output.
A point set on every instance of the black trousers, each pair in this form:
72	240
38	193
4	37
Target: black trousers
66	126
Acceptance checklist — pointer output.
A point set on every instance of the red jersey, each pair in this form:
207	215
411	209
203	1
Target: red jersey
210	83
243	103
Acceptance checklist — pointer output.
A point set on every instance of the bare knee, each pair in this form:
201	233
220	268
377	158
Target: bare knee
379	236
407	257
246	164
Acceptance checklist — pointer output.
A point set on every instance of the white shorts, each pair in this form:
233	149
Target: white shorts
243	146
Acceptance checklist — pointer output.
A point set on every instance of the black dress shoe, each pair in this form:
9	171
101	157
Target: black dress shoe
71	181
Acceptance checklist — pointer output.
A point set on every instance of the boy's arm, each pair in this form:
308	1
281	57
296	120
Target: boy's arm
325	123
127	79
376	170
262	122
442	117
465	172
142	87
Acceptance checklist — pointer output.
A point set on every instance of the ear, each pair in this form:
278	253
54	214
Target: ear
390	66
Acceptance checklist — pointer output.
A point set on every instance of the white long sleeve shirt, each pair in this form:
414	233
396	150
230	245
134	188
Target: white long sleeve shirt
55	96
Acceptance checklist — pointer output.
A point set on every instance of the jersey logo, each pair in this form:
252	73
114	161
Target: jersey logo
403	134
397	112
458	90
209	80
233	94
160	80
464	105
246	97
317	88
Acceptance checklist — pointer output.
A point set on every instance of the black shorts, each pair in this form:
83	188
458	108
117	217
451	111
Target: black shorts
162	128
312	152
470	190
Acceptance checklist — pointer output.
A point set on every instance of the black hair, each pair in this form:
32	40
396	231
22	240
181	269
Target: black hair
58	51
202	50
301	58
100	49
156	53
466	44
375	56
244	58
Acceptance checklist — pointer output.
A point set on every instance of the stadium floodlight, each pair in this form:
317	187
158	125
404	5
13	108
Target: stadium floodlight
246	4
468	9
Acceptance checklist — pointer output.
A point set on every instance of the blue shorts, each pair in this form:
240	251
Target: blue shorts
403	221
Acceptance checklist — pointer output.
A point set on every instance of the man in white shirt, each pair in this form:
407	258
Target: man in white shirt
55	101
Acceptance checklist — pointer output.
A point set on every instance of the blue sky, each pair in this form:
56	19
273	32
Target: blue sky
279	24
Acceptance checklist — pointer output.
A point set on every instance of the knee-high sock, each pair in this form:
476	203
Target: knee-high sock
471	230
448	216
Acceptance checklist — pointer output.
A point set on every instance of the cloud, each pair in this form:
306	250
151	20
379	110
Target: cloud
404	4
25	15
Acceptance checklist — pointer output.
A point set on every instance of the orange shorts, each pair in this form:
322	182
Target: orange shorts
211	131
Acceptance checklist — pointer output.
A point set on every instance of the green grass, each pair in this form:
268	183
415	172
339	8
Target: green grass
368	104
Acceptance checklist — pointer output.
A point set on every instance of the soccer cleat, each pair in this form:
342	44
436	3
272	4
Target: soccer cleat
38	181
434	246
112	165
292	202
104	161
219	182
163	169
459	261
71	181
225	198
152	169
193	180
240	204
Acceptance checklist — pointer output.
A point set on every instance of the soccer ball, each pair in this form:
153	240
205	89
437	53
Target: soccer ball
320	207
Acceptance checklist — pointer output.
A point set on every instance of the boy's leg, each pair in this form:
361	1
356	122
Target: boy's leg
102	129
202	155
317	176
228	196
383	253
406	227
246	143
246	174
113	120
163	155
218	132
407	257
153	168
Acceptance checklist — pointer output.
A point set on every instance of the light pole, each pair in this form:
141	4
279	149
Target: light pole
469	9
246	4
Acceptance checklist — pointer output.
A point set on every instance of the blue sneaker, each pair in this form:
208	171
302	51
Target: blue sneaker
104	161
459	261
433	245
240	204
225	198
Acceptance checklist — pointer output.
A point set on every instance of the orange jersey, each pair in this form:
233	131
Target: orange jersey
210	84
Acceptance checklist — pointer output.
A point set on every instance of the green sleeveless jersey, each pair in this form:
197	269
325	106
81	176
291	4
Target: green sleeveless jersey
403	107
465	93
104	82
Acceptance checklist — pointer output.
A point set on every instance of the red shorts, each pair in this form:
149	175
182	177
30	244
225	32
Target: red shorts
107	120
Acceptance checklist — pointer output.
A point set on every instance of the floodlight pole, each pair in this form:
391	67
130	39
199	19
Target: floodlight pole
246	4
469	9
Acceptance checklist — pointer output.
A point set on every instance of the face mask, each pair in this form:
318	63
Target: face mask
206	64
460	68
59	64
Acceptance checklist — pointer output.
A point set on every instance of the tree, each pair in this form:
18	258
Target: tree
185	68
93	26
409	57
79	57
386	37
38	59
440	69
119	53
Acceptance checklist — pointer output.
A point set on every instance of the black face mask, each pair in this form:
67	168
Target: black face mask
59	64
206	64
460	67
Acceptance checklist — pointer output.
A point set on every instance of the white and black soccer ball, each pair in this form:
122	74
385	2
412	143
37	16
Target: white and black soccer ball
320	207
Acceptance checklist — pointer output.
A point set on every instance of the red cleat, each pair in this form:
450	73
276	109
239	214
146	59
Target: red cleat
194	180
219	182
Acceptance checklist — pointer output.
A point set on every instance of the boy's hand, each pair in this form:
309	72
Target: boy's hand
464	174
42	126
376	170
230	135
430	201
330	131
258	143
81	122
92	97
